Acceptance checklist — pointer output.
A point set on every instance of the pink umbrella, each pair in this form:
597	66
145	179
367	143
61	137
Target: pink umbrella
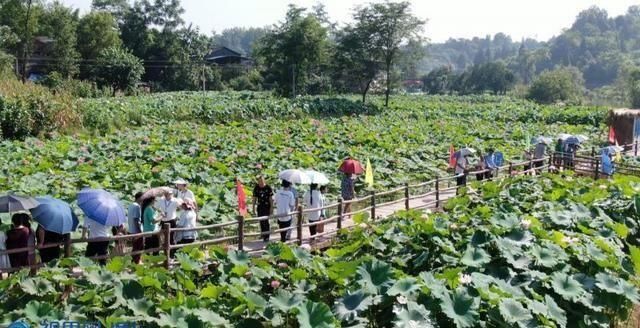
154	192
351	166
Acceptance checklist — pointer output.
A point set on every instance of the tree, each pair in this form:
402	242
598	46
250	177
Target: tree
97	31
393	26
562	84
294	52
634	88
119	69
356	61
439	81
60	23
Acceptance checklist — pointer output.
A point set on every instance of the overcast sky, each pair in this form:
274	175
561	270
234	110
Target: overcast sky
540	19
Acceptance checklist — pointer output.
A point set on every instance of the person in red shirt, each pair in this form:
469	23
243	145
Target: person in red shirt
18	237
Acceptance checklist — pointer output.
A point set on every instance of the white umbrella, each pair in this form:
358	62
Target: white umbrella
564	136
542	139
317	177
582	138
295	176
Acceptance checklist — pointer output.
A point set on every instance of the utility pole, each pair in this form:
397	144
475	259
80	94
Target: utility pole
25	42
204	80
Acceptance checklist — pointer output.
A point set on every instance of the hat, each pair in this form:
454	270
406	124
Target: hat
180	182
188	203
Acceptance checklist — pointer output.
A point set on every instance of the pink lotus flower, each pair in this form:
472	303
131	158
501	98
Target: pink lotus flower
275	284
259	166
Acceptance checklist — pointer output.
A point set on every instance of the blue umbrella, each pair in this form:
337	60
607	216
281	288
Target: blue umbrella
102	207
55	215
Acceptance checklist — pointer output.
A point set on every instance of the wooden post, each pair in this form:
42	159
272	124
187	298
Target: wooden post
437	191
373	206
635	149
593	151
510	168
406	196
166	228
240	219
596	174
67	246
299	225
340	214
531	170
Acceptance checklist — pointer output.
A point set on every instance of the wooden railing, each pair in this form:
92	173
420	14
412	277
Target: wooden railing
244	233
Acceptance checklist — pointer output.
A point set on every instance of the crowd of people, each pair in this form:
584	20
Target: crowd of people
177	208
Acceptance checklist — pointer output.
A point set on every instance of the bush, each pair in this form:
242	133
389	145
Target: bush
30	110
75	88
634	88
559	85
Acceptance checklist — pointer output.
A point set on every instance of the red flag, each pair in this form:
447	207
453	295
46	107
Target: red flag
242	198
612	135
452	157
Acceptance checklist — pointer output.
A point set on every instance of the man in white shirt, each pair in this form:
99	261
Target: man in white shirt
168	206
462	162
285	204
97	248
134	216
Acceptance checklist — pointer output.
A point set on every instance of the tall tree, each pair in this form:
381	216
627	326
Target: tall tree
393	26
356	62
60	23
294	51
97	30
119	69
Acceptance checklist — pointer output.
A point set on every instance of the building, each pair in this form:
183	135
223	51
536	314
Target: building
223	56
626	125
38	60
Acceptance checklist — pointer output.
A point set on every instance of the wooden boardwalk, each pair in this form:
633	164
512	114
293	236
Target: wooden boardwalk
382	212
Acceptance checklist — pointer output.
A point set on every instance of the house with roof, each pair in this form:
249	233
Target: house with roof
223	56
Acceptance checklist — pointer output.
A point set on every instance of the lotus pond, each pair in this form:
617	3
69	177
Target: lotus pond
136	142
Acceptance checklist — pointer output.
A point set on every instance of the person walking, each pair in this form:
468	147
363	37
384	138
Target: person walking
313	200
462	163
134	217
539	153
97	247
348	191
490	163
18	237
188	218
263	205
150	224
285	204
45	237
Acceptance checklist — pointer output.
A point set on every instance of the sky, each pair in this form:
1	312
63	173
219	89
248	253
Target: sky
538	19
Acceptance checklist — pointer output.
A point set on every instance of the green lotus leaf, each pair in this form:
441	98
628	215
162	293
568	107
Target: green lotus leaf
315	315
514	312
285	301
36	311
555	312
566	286
349	306
139	307
209	317
37	286
404	286
374	276
414	315
461	308
560	218
238	257
475	257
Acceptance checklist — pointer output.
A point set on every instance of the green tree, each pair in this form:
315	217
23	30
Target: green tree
439	81
356	62
294	52
119	69
562	84
392	26
97	31
634	88
117	8
60	23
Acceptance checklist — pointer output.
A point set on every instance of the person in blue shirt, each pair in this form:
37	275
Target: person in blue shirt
490	163
607	163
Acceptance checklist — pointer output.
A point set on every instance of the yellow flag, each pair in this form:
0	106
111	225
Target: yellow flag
368	174
617	158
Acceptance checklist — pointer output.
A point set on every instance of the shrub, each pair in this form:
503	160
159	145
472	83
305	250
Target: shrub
562	84
30	110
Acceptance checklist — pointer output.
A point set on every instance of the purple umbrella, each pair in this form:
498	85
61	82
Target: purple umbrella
102	207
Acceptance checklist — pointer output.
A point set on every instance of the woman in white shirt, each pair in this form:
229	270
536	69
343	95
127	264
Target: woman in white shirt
285	204
313	199
187	220
182	192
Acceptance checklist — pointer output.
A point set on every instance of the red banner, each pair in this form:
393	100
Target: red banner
242	198
612	135
452	157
